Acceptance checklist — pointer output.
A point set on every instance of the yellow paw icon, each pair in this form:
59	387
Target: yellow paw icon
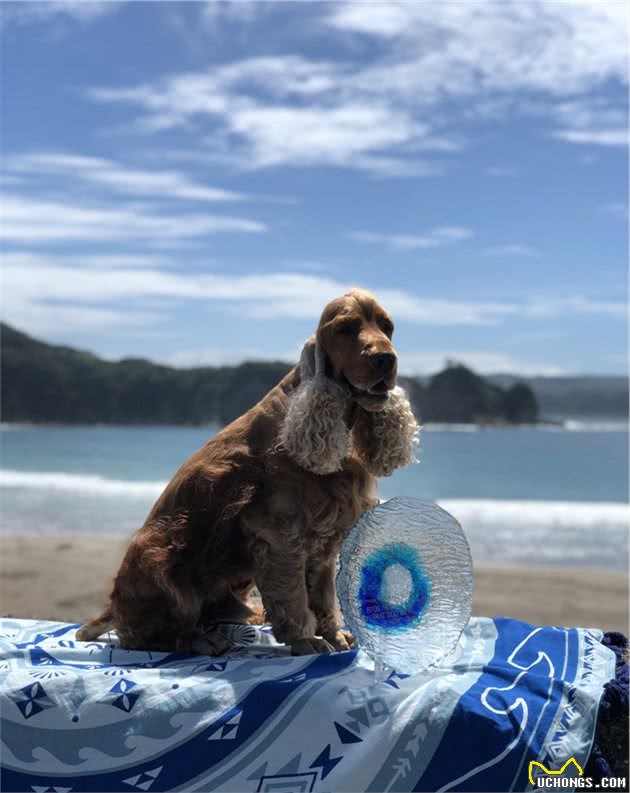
553	773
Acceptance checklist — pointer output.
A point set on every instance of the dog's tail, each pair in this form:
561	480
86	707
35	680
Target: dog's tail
96	627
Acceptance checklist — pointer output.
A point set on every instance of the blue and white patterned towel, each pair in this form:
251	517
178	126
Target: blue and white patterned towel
92	717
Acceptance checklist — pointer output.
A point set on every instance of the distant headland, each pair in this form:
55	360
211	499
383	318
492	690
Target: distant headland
45	383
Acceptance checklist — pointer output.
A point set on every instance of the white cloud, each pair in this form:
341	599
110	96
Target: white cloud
311	135
260	133
594	137
214	356
377	116
120	178
42	318
441	235
404	306
68	283
36	285
268	296
543	308
29	220
287	109
29	11
19	259
403	167
543	45
216	12
488	51
383	20
481	361
592	121
410	363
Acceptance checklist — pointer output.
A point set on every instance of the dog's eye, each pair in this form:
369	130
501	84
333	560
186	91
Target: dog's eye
348	327
388	328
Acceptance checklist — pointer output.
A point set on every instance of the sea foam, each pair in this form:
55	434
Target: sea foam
86	484
529	513
576	514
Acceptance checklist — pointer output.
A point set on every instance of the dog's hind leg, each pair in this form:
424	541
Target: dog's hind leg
96	627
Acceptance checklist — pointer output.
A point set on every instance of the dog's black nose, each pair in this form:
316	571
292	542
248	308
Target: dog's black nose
383	362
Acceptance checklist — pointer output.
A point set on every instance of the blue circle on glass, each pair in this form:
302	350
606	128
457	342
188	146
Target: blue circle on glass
377	612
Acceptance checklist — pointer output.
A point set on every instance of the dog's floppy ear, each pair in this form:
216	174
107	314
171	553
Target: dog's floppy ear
312	360
386	439
314	432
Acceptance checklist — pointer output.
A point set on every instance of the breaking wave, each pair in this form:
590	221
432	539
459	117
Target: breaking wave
86	484
490	512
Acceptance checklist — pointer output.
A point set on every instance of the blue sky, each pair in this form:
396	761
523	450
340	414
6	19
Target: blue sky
192	181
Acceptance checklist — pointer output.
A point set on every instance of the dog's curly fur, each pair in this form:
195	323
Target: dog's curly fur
314	432
387	440
268	501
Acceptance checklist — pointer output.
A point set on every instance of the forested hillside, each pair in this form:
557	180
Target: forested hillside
49	383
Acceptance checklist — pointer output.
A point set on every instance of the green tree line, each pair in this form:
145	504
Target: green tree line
44	383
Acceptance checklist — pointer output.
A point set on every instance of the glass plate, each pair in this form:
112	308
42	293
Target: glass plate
405	583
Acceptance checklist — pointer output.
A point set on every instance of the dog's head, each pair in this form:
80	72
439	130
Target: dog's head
350	359
355	336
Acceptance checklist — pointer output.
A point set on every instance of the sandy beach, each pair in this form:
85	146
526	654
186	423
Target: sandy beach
67	577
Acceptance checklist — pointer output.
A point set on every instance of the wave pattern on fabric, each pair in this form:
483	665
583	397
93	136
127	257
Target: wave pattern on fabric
92	717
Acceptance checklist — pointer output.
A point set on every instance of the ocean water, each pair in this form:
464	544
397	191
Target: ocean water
530	495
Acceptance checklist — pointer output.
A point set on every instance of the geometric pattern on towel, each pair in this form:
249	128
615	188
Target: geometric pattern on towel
93	717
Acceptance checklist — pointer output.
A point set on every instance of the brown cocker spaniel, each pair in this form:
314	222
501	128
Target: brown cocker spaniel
268	501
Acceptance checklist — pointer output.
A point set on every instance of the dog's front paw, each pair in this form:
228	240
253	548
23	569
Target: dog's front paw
342	640
310	646
257	615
